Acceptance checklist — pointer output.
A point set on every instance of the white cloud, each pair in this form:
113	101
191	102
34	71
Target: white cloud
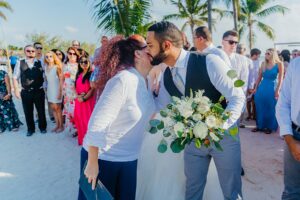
71	29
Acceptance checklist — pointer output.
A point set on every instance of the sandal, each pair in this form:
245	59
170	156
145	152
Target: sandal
268	131
255	130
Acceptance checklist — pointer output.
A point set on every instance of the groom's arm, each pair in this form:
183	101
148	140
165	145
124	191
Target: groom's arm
217	71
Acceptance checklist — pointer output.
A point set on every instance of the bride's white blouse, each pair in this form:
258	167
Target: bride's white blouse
120	117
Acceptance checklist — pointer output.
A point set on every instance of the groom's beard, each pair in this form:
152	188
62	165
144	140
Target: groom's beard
159	58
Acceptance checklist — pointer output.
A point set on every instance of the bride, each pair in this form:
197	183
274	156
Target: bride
160	176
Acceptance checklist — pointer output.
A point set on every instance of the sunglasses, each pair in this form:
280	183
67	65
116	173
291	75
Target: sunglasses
30	51
231	42
72	54
84	62
58	54
39	47
48	57
144	47
267	53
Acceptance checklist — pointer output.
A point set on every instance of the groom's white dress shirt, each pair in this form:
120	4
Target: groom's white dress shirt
219	52
120	117
288	105
217	71
241	65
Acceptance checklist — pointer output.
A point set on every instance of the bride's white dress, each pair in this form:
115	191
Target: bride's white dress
160	176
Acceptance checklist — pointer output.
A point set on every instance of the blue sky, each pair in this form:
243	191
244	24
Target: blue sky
71	19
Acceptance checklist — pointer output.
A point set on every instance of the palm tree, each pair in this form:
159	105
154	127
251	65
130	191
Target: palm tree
122	16
236	8
194	12
4	4
209	14
252	12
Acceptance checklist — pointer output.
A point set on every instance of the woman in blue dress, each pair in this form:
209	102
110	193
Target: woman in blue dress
267	89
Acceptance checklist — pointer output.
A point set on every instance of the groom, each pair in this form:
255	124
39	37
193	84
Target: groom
193	71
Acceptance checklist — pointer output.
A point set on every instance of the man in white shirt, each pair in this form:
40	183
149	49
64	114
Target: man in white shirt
191	71
253	75
31	75
204	44
288	117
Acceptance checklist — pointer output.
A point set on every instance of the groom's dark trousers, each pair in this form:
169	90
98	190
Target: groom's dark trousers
228	164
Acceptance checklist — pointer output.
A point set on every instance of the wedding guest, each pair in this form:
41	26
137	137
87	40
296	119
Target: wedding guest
61	55
241	49
30	72
238	62
69	92
286	57
76	44
204	44
295	53
82	52
267	92
9	118
116	127
85	102
186	44
253	75
104	41
54	77
13	60
4	62
39	52
288	116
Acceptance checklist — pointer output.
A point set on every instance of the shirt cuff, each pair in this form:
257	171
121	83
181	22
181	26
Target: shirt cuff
286	130
96	139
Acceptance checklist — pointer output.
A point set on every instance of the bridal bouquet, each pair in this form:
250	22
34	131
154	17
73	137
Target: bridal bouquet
191	118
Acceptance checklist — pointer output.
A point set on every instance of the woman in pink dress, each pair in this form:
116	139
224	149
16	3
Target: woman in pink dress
85	101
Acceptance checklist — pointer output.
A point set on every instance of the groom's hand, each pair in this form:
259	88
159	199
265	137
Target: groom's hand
294	146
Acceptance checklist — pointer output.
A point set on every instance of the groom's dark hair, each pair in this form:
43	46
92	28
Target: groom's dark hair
165	30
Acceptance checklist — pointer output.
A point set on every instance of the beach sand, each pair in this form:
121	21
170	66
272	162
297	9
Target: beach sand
46	166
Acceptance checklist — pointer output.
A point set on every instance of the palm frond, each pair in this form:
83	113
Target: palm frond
173	16
271	10
6	5
266	29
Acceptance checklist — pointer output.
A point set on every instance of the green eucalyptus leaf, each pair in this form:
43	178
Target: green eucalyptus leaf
218	146
161	125
163	113
166	133
176	146
163	146
239	83
153	130
154	122
232	74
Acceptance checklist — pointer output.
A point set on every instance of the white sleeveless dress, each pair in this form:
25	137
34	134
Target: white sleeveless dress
161	175
52	85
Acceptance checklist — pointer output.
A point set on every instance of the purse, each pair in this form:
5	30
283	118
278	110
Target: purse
99	193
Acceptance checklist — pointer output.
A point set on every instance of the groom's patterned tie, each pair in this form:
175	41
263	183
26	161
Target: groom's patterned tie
178	80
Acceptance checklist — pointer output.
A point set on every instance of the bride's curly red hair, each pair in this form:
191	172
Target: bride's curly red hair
114	57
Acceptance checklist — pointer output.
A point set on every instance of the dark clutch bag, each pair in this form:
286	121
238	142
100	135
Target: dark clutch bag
99	193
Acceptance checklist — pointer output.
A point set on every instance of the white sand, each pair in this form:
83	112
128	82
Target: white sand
47	166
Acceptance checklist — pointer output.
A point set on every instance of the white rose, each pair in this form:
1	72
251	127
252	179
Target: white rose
185	109
169	121
203	108
214	137
197	117
211	121
200	130
178	127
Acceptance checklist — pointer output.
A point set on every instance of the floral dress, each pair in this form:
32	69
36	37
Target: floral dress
69	92
9	118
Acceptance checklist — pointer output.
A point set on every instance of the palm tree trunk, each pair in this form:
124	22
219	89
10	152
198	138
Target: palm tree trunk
250	36
192	31
209	2
235	14
116	2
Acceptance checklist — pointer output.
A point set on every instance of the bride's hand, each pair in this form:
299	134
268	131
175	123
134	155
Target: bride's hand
91	172
155	75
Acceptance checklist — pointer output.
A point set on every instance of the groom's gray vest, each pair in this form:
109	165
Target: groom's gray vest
197	78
